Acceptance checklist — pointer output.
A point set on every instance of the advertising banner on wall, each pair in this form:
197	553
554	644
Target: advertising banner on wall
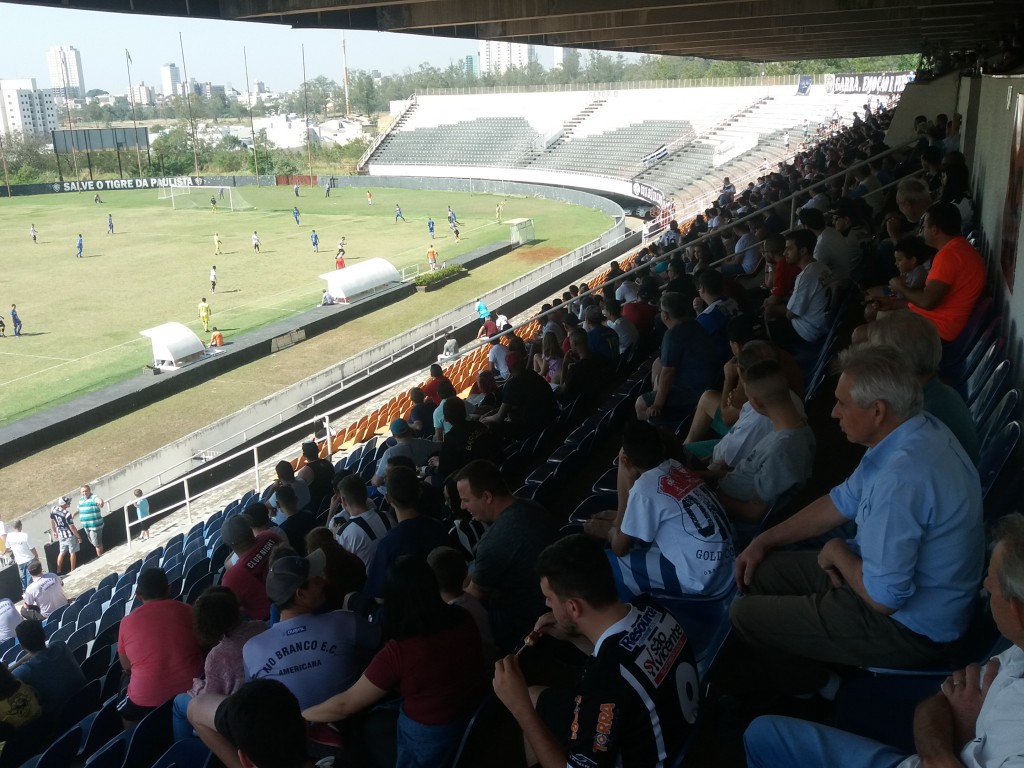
102	185
868	83
648	193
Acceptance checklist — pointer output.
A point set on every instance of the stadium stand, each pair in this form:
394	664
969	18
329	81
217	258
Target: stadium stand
544	466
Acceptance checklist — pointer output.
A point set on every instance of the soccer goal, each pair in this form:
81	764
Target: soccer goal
185	198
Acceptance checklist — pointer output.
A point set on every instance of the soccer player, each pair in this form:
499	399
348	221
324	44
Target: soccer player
430	227
204	314
213	203
15	320
217	244
398	213
369	197
78	245
432	258
33	232
110	223
213	279
452	217
315	239
222	193
455	231
497	213
295	213
341	247
339	260
255	242
327	188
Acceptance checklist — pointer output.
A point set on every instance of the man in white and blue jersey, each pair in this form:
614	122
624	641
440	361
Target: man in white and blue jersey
669	536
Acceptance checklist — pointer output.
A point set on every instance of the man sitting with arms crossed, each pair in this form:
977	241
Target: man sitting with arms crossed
781	459
975	720
638	694
900	593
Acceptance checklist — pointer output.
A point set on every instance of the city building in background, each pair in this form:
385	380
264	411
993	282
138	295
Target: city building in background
497	56
170	80
26	109
64	63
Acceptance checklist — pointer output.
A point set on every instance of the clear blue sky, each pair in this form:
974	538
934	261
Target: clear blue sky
213	49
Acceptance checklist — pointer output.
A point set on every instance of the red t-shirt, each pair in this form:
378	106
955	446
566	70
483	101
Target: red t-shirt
641	314
248	577
440	677
430	388
158	640
785	278
960	267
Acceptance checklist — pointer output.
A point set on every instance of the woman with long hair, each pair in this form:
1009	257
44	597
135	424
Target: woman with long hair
219	626
433	659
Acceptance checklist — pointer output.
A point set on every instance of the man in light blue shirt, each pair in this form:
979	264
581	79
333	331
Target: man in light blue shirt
901	592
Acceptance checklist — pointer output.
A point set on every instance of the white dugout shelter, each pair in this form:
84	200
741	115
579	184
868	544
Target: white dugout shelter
358	279
174	345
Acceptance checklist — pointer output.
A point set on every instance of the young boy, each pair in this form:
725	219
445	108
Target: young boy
450	568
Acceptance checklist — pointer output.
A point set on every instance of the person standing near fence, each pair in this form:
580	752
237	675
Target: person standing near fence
90	514
142	512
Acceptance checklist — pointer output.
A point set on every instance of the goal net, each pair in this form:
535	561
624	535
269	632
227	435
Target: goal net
185	198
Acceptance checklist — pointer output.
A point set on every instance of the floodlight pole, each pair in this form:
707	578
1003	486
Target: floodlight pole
344	71
67	108
3	157
188	101
305	107
252	125
131	98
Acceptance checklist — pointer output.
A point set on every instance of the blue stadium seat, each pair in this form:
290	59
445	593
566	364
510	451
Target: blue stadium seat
193	574
970	388
90	614
171	551
995	454
54	619
101	729
112	683
107	581
957	374
150	738
197	555
79	706
122	594
108	630
82	636
218	556
957	350
178	538
169	563
197	588
60	635
1004	412
111	615
990	394
101	595
111	754
247	497
706	621
7	644
61	752
95	667
187	753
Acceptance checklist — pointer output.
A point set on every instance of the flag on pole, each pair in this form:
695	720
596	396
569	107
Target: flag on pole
126	53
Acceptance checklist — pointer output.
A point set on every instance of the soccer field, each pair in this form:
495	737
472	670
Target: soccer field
82	317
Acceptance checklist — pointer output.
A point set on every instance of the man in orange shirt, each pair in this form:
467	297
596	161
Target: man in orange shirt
956	279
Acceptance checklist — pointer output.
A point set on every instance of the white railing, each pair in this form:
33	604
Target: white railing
631	85
355	370
384	134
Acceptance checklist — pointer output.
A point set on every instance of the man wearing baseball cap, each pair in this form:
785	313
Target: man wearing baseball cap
62	526
315	655
248	576
407	444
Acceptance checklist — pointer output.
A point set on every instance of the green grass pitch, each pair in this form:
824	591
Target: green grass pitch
82	317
